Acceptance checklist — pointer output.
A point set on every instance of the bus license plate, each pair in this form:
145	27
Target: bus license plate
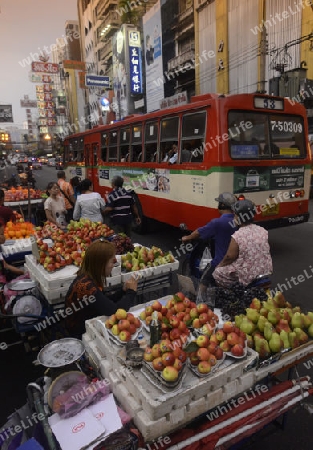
271	210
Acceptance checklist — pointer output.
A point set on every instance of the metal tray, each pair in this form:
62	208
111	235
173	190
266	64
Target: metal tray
21	285
61	352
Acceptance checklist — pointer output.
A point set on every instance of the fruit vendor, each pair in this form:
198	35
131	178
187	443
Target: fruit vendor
121	207
248	255
55	206
221	230
67	192
86	297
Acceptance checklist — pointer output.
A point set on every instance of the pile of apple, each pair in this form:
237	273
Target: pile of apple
143	257
68	247
273	325
207	354
166	358
123	325
18	194
178	314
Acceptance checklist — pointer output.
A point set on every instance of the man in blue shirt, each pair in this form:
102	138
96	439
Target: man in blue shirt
121	207
220	230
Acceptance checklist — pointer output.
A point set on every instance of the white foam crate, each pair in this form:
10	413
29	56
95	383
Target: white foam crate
16	246
55	280
53	296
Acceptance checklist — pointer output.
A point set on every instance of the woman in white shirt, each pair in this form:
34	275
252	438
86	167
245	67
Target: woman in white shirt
89	204
55	206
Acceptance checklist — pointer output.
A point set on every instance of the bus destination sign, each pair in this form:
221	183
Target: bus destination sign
268	103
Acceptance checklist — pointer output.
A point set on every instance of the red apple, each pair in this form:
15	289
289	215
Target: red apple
203	354
157	306
123	324
158	364
196	323
204	367
194	360
202	308
207	329
224	345
121	314
147	356
174	322
165	345
237	350
156	351
132	328
179	307
168	359
220	335
212	359
218	353
178	364
232	338
202	341
228	327
194	313
130	317
125	335
174	334
170	373
179	297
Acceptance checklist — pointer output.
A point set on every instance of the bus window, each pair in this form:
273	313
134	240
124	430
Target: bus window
259	135
104	146
112	154
151	142
136	147
193	136
124	144
169	136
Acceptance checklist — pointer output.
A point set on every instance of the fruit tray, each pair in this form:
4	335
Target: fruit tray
157	379
194	369
116	340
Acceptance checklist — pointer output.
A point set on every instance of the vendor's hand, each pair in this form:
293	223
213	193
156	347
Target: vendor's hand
185	238
138	220
131	283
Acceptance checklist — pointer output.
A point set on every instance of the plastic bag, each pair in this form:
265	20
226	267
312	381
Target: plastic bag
206	258
207	296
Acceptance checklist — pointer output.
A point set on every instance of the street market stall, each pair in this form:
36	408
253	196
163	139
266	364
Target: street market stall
236	398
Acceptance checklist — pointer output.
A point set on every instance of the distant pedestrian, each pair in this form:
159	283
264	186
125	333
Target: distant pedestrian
75	182
6	213
122	207
89	204
67	192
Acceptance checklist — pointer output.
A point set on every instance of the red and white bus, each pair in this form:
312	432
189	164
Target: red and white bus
253	145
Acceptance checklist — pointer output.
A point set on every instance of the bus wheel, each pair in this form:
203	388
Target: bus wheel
143	227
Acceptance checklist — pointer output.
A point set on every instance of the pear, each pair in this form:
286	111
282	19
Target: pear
252	315
296	309
255	304
285	338
262	347
250	342
263	312
275	343
294	341
286	314
310	314
297	320
268	331
247	326
282	325
261	323
238	320
301	335
310	330
273	317
306	320
280	299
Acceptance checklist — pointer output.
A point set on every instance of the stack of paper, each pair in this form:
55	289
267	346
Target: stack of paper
87	428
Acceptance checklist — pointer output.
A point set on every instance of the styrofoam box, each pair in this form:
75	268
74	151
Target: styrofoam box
17	246
151	271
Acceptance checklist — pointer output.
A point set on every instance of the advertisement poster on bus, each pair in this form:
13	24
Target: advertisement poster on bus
152	29
254	179
157	180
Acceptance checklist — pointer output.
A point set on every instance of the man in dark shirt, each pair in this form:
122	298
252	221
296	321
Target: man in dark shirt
6	213
121	207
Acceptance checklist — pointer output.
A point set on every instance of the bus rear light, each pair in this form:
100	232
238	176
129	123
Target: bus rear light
241	197
302	192
296	194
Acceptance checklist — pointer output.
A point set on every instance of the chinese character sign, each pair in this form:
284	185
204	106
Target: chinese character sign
135	68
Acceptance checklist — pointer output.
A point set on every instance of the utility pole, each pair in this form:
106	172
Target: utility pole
263	50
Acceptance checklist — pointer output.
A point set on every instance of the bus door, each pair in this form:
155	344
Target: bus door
88	161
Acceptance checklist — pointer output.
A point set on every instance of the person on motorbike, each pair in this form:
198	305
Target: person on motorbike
221	230
248	255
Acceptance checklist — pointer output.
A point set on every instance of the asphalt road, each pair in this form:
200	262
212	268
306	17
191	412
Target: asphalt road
292	256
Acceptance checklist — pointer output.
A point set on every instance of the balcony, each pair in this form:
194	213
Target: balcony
185	14
181	59
105	50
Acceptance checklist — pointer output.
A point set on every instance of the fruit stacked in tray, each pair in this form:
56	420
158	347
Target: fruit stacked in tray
179	316
123	327
165	363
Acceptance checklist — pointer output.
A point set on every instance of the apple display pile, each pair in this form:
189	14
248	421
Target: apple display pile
143	257
177	315
68	247
274	325
123	325
166	358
